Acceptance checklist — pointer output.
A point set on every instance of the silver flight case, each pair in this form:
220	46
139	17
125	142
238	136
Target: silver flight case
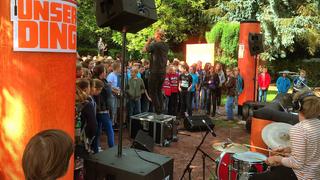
162	128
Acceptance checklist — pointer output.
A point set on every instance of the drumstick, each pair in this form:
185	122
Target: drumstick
263	149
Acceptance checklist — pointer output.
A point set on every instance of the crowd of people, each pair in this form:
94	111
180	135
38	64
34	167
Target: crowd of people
283	83
158	86
190	88
185	89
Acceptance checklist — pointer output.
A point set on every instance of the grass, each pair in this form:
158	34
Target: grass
225	124
270	96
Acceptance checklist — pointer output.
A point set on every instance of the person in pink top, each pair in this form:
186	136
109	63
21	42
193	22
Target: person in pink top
264	81
166	89
174	83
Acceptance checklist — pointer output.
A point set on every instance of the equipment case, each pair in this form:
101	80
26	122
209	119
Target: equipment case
162	128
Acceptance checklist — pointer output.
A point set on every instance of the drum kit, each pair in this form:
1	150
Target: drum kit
236	162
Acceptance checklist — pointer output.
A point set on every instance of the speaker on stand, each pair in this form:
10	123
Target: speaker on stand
132	14
255	43
127	16
256	47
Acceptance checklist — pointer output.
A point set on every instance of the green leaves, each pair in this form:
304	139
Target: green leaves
214	36
226	37
179	18
287	25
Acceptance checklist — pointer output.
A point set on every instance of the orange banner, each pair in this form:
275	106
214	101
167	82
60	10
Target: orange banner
44	26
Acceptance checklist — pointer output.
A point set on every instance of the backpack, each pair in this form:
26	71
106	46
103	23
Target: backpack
80	133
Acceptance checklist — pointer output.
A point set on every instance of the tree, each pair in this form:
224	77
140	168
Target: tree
287	25
179	18
88	31
225	36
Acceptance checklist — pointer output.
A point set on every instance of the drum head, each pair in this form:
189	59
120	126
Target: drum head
251	157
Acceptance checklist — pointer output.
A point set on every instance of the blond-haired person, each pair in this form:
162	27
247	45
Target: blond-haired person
134	89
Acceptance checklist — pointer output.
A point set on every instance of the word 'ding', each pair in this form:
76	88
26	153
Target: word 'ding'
42	25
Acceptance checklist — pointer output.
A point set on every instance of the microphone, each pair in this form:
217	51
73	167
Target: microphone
210	129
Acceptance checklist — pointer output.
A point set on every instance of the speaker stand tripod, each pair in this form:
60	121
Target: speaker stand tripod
123	64
255	92
204	156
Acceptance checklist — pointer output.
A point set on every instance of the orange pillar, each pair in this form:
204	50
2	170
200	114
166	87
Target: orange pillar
37	89
246	62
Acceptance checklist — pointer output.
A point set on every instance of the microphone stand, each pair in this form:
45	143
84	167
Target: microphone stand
204	155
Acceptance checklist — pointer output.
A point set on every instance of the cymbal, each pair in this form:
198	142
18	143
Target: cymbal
230	147
276	135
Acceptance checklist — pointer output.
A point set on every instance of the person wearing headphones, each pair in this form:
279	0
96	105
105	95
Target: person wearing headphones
302	159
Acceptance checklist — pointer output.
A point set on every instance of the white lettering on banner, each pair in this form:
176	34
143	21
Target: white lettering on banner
241	51
44	25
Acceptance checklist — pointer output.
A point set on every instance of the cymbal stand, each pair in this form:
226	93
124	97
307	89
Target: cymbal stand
230	158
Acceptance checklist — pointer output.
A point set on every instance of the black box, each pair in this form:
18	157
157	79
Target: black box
106	165
194	123
143	141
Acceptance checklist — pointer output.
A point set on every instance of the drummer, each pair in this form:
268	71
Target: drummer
302	160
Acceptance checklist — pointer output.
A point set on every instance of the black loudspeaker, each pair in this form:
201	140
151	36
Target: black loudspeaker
143	142
132	14
106	165
270	114
255	43
194	123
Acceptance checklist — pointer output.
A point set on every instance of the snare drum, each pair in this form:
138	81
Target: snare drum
224	162
248	163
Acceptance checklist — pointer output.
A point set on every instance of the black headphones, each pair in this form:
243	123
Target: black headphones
297	104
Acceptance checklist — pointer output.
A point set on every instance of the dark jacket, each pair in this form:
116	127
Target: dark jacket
88	118
159	56
231	86
102	98
211	81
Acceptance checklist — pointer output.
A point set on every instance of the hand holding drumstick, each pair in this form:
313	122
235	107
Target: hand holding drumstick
276	154
278	151
283	151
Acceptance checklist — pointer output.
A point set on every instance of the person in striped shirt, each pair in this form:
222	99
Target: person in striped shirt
302	159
